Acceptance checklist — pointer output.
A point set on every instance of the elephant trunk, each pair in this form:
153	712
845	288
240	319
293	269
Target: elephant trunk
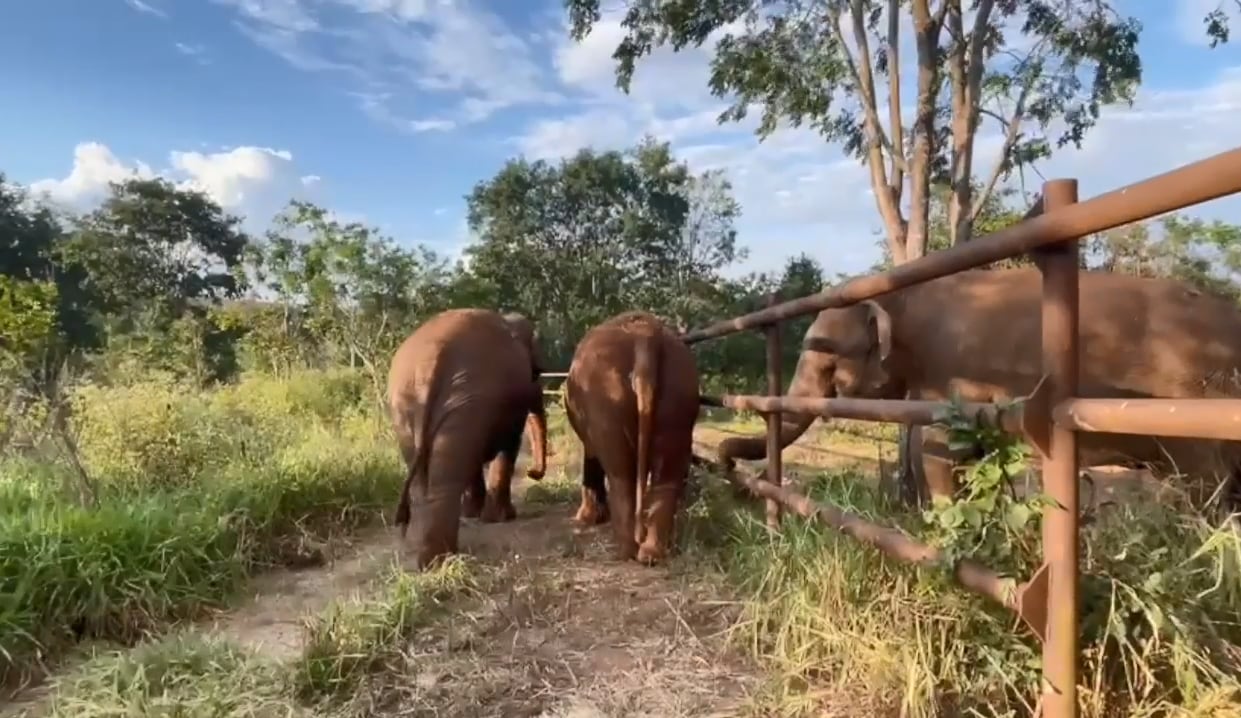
536	424
809	381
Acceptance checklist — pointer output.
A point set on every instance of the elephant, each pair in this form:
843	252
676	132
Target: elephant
631	396
461	389
978	334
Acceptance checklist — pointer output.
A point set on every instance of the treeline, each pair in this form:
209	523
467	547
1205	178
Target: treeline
160	279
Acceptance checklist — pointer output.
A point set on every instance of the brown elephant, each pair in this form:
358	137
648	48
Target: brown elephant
978	334
632	398
460	390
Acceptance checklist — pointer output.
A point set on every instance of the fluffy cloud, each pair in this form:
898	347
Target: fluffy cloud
398	56
799	194
254	182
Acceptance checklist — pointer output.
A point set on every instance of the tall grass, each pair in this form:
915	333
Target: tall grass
846	630
196	491
193	675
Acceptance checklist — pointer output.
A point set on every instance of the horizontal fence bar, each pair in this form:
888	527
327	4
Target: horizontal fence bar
1189	418
970	574
1191	184
903	411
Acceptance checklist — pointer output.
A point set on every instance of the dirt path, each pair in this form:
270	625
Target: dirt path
571	632
565	630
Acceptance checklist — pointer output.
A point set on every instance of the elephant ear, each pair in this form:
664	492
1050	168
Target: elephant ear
524	331
878	317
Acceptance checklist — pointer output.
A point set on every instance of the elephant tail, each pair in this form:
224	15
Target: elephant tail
419	432
645	374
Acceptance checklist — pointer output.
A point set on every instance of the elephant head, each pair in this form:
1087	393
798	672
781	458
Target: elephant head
844	353
524	332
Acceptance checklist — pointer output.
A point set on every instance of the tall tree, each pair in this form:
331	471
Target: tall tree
575	242
154	245
355	290
824	64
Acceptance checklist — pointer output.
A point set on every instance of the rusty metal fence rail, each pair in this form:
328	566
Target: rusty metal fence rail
1050	418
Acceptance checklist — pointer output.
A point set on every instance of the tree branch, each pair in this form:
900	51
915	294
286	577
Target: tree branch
966	67
1012	129
897	175
876	139
926	30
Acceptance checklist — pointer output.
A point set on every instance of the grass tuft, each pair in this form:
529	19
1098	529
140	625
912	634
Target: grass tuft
196	492
354	639
843	628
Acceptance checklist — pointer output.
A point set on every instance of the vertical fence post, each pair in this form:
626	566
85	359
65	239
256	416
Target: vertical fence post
775	418
1058	265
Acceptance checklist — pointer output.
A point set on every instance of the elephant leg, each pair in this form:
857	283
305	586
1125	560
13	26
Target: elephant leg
594	508
621	506
434	512
939	462
667	484
498	505
473	496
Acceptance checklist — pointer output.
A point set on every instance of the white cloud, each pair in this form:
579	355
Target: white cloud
197	53
254	182
147	8
454	54
94	168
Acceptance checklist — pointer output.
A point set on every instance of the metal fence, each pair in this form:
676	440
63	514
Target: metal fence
1048	600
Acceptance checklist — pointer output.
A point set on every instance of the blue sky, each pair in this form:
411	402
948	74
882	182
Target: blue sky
390	110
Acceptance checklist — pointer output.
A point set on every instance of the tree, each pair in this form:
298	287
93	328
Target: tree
153	244
1206	255
355	290
576	242
1217	22
32	242
822	64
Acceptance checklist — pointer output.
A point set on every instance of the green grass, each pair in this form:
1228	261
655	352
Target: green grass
355	639
844	629
194	675
196	491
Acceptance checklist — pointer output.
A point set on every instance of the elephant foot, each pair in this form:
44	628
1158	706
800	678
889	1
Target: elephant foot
496	513
589	514
651	552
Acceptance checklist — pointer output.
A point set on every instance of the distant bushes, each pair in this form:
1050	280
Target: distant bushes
195	489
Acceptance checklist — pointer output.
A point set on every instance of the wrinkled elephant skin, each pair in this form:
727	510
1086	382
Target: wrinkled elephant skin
459	392
979	334
632	398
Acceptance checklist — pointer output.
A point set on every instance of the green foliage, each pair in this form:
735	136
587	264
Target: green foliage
184	675
195	675
986	521
600	233
840	624
351	640
151	243
196	490
1204	254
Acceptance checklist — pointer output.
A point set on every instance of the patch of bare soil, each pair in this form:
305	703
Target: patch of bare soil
271	620
816	450
568	631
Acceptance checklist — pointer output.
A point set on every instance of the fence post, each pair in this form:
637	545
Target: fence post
1059	268
774	419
